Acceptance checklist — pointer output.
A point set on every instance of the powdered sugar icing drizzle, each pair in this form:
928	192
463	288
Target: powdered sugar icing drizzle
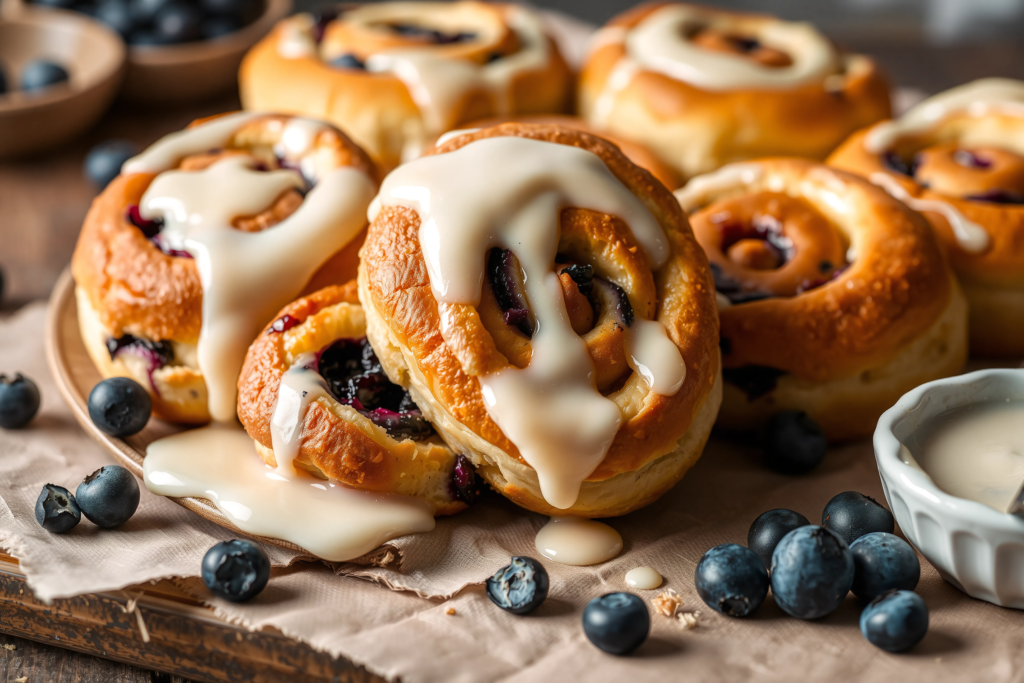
246	277
508	192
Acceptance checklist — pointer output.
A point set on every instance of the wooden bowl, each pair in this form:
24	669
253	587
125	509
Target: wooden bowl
94	57
75	376
191	72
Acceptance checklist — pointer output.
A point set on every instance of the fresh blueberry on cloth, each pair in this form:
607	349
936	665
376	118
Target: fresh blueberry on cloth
236	570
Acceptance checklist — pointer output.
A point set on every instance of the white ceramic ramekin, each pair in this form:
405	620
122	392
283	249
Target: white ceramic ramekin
977	549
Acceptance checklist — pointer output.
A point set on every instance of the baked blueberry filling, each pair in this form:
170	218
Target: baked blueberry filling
354	377
582	275
321	18
285	322
895	162
431	35
464	484
348	61
731	289
998	197
157	354
969	159
149	228
753	380
615	296
504	273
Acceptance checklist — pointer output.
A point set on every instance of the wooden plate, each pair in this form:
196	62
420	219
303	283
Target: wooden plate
76	376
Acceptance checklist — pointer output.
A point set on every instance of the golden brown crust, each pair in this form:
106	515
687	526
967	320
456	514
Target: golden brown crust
1000	265
848	335
394	278
696	131
344	450
137	288
897	286
636	152
377	109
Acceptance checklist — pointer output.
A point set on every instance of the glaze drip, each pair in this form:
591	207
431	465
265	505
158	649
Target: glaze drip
246	277
551	409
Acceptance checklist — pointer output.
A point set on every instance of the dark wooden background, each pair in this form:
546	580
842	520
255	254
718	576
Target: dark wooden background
44	199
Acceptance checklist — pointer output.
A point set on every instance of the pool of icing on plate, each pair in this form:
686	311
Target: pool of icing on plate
219	462
246	278
578	541
508	192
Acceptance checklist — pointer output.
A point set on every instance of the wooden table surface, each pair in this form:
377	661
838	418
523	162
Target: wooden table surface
44	199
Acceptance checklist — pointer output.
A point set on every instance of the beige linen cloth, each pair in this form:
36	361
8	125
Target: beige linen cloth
407	633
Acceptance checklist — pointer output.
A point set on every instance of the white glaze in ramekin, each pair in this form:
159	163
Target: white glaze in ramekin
975	548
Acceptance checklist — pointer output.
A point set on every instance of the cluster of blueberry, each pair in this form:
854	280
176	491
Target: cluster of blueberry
234	570
811	569
108	498
616	623
35	77
167	22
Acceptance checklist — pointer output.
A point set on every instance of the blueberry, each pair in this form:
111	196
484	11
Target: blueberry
236	570
895	621
40	74
617	623
19	401
812	571
117	15
57	510
144	11
145	39
768	529
109	496
177	22
520	586
218	27
348	61
119	406
731	579
852	514
794	443
104	161
883	562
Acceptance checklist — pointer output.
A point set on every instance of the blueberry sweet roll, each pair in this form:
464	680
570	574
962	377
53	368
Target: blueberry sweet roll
546	305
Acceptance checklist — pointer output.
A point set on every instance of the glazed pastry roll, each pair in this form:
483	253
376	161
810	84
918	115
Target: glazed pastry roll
835	298
546	305
185	256
312	392
958	157
395	75
635	152
704	87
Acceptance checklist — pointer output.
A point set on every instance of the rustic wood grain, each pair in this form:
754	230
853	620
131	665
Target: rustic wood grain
184	639
23	661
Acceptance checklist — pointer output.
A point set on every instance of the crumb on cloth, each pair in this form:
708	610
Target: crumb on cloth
667	603
450	611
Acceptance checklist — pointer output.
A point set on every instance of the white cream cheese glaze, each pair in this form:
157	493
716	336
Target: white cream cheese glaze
976	99
246	277
508	192
643	578
970	236
578	541
660	43
331	521
438	83
300	385
976	452
704	189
